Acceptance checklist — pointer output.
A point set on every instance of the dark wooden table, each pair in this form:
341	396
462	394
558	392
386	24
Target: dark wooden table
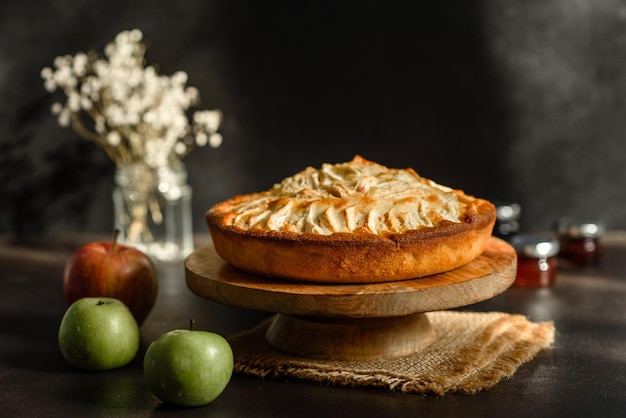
583	375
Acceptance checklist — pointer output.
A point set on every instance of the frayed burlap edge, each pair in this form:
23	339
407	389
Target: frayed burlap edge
473	351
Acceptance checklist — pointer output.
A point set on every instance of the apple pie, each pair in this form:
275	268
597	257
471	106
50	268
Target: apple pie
352	222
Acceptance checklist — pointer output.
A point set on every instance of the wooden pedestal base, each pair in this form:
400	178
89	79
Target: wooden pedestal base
350	338
352	321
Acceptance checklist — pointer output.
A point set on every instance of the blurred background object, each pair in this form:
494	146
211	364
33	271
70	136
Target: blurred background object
580	241
511	101
507	219
537	263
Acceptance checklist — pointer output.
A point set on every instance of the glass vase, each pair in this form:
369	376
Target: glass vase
153	210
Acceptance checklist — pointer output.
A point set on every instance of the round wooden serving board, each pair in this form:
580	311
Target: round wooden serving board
352	321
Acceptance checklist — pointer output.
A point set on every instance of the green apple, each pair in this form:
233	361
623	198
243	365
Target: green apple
98	334
188	368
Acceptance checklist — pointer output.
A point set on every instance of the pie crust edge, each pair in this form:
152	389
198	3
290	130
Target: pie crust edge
355	257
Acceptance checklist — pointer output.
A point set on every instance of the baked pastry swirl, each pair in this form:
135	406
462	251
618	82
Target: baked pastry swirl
353	222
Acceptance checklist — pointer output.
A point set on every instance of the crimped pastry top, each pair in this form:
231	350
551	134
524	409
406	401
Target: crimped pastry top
358	196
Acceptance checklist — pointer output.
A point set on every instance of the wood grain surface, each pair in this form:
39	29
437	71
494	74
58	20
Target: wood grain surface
208	276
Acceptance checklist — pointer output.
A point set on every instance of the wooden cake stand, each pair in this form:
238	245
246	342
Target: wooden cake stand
352	321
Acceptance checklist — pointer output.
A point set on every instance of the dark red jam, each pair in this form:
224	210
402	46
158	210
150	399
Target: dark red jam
537	264
536	272
579	241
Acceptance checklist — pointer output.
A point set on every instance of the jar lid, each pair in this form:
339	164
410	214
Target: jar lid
535	246
579	227
507	211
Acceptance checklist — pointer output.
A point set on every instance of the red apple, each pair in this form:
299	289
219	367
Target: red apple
109	269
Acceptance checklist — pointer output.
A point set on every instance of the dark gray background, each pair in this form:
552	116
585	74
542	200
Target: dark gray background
513	100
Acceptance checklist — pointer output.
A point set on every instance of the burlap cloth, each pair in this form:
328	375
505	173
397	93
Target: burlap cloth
472	351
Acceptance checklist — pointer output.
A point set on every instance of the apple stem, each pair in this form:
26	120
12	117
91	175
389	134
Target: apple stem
116	236
191	324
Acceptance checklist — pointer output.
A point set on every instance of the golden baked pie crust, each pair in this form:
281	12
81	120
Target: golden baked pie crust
352	257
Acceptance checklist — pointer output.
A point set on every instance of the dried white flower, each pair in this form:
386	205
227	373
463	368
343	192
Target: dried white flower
114	138
65	117
201	139
56	108
180	148
215	140
139	116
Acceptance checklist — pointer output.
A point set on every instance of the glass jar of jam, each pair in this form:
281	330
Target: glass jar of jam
507	219
579	240
537	263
